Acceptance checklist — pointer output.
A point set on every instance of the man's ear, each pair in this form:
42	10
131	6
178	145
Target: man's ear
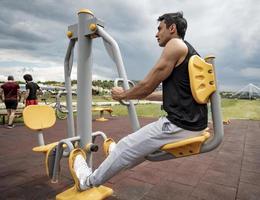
172	28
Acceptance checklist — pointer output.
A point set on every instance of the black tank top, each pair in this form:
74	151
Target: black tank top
178	101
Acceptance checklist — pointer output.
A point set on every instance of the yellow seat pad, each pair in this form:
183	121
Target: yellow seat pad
38	117
186	147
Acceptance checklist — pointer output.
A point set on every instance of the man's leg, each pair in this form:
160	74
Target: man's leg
132	149
8	115
11	117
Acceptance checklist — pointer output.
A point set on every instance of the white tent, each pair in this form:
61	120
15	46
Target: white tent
250	91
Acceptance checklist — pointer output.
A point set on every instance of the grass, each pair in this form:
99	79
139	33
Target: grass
148	110
240	109
231	109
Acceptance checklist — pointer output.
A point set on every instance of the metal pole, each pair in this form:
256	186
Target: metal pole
40	138
84	82
216	115
117	58
67	73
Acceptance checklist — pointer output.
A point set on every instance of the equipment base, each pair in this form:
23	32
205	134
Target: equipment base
95	193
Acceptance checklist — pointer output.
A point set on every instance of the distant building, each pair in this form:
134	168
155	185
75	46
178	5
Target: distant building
250	91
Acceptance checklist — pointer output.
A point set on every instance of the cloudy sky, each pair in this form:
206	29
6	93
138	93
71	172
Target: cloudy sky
33	36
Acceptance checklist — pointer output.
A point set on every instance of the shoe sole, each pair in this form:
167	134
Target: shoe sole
73	154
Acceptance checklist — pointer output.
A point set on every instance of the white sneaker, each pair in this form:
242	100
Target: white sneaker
83	171
111	147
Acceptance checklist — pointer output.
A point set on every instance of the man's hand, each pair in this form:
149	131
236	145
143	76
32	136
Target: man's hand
117	93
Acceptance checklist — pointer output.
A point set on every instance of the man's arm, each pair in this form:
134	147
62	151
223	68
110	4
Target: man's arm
39	90
155	96
1	94
18	94
26	94
174	52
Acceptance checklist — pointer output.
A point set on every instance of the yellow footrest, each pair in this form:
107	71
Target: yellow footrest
44	148
96	193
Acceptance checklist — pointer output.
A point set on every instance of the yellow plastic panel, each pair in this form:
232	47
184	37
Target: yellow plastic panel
37	117
44	148
106	145
96	193
186	147
202	79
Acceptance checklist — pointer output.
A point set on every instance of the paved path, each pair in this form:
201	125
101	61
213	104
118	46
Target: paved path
232	171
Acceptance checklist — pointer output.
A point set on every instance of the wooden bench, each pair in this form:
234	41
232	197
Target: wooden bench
3	113
101	111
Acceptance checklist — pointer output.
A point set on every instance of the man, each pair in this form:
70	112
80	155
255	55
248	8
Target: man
10	94
185	118
31	90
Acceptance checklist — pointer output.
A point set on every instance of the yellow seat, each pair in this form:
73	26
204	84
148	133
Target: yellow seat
38	117
186	147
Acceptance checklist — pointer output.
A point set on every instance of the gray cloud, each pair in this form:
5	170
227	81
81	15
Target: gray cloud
33	32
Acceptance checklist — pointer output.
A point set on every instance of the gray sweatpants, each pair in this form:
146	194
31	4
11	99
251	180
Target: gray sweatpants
132	149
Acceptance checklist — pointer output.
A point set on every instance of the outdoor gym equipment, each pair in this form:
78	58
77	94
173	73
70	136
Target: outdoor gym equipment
203	86
84	32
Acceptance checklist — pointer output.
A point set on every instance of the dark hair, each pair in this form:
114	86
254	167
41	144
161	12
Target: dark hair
177	19
27	77
10	78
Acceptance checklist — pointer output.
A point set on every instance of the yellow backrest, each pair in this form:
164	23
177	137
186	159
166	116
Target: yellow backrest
202	79
37	117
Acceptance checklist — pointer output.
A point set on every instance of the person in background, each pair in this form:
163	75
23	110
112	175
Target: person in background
10	93
32	88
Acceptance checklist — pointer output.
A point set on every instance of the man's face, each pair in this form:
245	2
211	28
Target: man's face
164	34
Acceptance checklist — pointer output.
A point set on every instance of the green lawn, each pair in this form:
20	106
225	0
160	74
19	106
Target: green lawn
237	109
148	110
231	109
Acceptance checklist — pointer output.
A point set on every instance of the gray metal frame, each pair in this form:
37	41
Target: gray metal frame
83	34
68	63
216	116
114	52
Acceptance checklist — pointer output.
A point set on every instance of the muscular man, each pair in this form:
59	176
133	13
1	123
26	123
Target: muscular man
185	118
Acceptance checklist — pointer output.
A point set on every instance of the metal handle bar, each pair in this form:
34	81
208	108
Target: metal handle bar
131	84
